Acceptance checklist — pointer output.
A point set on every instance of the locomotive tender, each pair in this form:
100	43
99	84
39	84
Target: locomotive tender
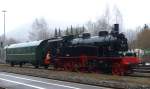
102	53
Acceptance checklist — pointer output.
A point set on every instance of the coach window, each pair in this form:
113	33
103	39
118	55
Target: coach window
22	50
32	49
10	51
18	50
14	51
28	49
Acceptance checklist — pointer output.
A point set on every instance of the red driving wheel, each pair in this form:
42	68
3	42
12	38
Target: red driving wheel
117	69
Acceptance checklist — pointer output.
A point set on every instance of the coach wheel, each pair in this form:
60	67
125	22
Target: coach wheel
20	64
36	66
12	64
117	69
55	66
46	66
76	67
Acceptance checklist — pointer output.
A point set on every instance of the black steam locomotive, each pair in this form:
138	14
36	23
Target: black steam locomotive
107	44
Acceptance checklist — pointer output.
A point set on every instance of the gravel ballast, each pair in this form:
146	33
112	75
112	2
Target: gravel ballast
124	82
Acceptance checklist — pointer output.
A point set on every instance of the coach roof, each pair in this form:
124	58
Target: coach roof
26	44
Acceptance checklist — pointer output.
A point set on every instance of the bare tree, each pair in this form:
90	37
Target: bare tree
90	27
8	41
11	41
132	36
143	38
59	33
39	30
102	24
67	32
99	25
56	33
76	31
71	30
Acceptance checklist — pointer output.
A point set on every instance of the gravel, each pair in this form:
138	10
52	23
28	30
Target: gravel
123	82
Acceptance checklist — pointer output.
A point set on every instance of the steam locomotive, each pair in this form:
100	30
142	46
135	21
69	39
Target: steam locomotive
104	53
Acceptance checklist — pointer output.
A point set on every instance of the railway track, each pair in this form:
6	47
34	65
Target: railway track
142	69
139	71
28	66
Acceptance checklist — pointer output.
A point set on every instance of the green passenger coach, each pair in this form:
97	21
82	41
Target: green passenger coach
29	52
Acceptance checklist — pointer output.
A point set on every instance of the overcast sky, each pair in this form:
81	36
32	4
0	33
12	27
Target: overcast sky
62	13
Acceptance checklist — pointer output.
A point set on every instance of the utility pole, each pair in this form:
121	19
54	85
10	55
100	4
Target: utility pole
4	40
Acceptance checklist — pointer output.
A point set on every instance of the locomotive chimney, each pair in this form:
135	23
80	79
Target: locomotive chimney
116	28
